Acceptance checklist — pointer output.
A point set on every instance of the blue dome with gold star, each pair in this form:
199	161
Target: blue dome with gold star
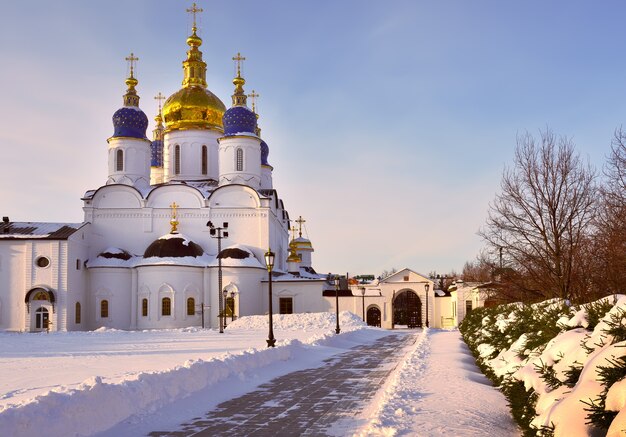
130	121
239	119
265	151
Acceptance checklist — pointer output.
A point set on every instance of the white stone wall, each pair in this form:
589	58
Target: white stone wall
136	162
190	142
250	174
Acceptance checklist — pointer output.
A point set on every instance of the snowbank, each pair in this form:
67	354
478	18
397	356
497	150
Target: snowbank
95	405
570	362
302	322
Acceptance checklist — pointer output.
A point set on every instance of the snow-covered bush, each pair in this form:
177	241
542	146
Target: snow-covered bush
561	367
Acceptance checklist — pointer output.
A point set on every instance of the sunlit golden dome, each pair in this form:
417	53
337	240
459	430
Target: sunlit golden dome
193	106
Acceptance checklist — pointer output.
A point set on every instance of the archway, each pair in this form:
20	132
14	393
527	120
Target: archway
407	309
373	316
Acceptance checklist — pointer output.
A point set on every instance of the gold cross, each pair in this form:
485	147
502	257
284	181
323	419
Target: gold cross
194	10
293	232
238	60
174	206
300	222
160	97
253	96
131	60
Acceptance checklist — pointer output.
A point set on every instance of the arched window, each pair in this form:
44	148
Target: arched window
177	159
205	162
104	309
77	314
119	160
166	306
239	159
191	306
144	307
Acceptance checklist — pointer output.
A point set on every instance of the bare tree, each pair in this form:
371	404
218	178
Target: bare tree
609	242
541	216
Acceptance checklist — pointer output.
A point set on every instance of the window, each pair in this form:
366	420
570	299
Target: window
230	306
191	306
406	278
144	307
468	306
119	160
177	159
104	309
77	314
286	305
42	262
239	155
166	306
205	166
77	264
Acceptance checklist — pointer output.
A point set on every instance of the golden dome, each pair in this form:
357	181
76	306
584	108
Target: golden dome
193	106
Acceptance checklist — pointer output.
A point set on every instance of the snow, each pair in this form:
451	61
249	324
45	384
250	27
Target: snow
439	391
121	383
576	346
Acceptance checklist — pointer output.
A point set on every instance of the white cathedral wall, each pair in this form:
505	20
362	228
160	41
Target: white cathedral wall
136	161
77	280
250	173
13	273
246	283
266	177
190	142
113	284
306	296
177	283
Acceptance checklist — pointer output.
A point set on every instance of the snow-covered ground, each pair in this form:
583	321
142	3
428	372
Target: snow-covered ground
439	391
117	383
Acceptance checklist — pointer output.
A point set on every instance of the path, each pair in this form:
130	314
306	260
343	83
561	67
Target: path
310	402
439	391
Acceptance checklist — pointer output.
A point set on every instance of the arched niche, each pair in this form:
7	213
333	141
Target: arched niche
116	196
240	196
184	195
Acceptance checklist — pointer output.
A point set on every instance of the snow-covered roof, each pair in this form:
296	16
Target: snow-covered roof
233	256
38	230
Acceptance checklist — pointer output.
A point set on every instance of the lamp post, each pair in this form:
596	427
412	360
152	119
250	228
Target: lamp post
363	301
219	233
269	262
225	293
427	287
337	284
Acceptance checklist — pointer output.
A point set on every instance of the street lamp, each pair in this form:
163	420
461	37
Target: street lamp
337	284
219	233
427	287
363	300
225	293
269	262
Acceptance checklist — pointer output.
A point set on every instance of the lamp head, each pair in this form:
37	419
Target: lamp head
337	281
269	260
212	231
362	291
427	287
210	224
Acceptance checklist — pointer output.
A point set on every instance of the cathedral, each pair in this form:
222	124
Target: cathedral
177	235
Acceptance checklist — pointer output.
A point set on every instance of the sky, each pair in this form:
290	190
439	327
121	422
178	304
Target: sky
389	123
